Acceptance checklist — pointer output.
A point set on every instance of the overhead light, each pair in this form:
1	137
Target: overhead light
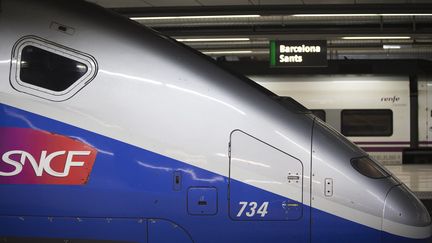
212	39
376	37
391	47
407	14
196	17
335	15
362	15
226	52
352	81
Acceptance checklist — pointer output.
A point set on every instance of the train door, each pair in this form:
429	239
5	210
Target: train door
425	113
266	189
429	113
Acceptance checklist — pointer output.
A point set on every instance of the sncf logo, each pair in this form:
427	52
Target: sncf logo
44	164
36	157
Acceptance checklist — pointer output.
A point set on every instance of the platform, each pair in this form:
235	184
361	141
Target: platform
417	177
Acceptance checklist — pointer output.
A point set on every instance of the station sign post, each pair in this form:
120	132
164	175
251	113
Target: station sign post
298	53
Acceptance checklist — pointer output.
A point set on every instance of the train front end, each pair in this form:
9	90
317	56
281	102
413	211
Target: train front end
354	192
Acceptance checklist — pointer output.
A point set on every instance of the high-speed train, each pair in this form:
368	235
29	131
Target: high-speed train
371	110
111	132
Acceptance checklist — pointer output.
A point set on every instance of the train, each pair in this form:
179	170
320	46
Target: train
111	132
371	110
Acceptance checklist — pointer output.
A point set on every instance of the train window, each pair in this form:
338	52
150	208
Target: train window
367	122
369	168
48	70
320	114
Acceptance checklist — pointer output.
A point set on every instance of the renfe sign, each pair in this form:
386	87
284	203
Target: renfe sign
298	53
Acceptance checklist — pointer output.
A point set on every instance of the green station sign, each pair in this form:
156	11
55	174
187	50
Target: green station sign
298	53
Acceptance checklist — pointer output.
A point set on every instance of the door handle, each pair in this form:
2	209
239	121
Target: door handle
328	187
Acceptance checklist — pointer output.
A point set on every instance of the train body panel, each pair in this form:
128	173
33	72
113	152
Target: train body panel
153	143
139	191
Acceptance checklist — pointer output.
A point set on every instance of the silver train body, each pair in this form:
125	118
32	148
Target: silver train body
113	133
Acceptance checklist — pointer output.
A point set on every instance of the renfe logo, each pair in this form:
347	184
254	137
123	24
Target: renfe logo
31	156
390	99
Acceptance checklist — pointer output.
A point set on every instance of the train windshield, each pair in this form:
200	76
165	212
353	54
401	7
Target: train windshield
369	168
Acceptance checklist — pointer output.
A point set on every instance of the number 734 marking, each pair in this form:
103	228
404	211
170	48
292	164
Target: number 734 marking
250	209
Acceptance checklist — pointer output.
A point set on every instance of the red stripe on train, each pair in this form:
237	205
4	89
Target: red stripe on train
384	149
383	143
395	142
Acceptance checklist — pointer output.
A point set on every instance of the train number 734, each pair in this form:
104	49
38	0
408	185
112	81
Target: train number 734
250	209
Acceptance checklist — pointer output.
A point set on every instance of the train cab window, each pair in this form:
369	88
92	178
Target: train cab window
48	70
367	122
369	168
320	114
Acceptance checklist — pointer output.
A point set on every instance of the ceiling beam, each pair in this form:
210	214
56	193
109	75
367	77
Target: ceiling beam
302	32
276	9
388	67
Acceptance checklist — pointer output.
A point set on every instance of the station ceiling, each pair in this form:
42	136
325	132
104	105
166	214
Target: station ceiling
238	29
176	3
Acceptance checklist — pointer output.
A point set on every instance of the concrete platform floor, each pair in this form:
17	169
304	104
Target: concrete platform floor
417	177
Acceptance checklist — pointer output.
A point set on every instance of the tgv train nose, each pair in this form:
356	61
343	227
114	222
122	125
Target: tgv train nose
405	218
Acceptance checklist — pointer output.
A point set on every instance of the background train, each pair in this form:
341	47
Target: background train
373	111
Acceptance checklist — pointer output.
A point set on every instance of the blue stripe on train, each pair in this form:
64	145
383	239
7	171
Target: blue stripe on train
128	182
